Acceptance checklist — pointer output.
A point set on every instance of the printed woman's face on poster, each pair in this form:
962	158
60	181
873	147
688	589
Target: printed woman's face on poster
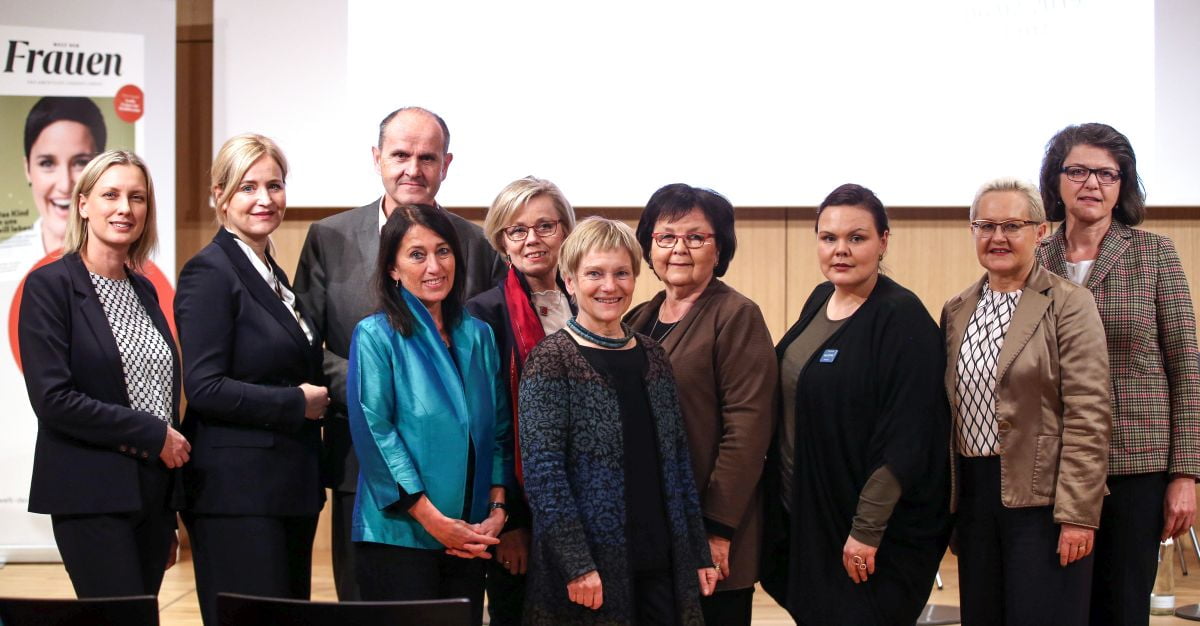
56	158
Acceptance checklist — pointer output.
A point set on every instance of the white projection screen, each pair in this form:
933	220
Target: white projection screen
770	103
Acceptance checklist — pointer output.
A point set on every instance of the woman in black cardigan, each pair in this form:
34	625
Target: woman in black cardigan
861	481
252	365
106	394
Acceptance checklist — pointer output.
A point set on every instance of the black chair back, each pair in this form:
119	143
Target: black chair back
132	611
240	610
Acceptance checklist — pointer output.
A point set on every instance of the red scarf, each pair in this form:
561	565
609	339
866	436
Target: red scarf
527	332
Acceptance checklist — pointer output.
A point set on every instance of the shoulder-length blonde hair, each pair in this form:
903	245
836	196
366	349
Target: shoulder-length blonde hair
233	160
76	238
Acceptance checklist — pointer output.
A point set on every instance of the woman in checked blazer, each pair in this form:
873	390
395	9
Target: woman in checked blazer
1089	179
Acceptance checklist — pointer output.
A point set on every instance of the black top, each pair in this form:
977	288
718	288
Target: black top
648	537
657	330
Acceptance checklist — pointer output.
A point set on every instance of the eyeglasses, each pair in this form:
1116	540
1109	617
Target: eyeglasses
691	240
985	228
520	233
1080	174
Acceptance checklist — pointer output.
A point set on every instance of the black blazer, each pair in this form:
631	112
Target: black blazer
491	307
253	452
90	444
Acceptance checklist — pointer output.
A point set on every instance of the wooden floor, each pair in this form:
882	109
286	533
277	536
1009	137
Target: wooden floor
178	607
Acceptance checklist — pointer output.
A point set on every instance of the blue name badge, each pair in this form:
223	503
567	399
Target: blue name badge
828	356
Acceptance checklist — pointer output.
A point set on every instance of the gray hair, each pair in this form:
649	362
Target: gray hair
1033	198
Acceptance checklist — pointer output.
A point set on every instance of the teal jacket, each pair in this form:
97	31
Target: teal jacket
415	409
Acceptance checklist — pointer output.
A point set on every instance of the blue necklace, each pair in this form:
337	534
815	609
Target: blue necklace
612	343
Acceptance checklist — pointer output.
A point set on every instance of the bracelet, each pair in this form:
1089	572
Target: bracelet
492	506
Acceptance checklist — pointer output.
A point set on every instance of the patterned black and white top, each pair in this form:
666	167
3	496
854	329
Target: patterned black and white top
975	393
145	355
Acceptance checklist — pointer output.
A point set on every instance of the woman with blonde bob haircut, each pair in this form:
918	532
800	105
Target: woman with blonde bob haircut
252	367
102	374
526	224
618	536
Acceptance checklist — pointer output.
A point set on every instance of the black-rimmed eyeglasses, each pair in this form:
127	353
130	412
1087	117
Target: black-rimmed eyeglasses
1104	175
541	229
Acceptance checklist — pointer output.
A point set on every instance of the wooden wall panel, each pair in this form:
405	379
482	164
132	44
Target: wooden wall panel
930	251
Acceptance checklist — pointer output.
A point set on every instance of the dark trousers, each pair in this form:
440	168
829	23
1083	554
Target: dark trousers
654	598
1131	524
254	555
342	549
387	572
505	594
728	608
1008	567
119	554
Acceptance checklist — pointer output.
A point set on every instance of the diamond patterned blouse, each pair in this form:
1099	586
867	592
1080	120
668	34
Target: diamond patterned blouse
145	355
975	391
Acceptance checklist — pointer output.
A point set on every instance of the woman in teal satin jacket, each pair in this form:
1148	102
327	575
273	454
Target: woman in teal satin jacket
430	423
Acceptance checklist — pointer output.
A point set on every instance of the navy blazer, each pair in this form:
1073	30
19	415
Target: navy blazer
90	444
253	451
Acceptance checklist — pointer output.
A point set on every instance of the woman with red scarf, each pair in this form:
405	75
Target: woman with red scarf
526	224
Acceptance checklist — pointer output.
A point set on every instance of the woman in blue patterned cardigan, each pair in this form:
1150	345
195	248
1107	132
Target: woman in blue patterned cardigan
618	536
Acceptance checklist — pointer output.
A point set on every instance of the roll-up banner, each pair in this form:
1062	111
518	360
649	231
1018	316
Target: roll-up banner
65	95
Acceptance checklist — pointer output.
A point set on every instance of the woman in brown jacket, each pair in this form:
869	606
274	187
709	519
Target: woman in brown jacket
1027	378
725	369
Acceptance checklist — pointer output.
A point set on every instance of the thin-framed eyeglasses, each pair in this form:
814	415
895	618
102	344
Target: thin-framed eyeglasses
521	232
1080	174
1011	228
691	240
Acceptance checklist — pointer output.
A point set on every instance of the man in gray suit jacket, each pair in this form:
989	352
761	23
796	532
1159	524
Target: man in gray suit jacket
333	286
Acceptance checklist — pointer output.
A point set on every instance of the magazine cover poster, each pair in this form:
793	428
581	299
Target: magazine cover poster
65	96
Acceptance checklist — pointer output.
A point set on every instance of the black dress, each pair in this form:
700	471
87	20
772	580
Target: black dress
870	396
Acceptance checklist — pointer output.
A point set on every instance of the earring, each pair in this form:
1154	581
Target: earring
396	282
881	258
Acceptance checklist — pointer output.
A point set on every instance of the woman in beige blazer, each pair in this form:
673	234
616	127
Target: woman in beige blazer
1027	378
724	364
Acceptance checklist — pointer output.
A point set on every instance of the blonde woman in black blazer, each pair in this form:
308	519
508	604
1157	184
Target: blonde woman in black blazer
106	397
252	366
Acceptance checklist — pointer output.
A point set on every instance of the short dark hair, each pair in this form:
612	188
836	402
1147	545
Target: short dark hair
391	302
1131	201
677	200
441	122
851	194
53	109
